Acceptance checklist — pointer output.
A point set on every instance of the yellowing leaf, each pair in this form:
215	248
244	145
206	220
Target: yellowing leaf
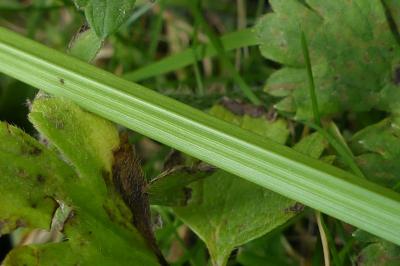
29	177
85	140
35	181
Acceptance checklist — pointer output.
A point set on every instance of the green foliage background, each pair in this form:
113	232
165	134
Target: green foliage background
57	177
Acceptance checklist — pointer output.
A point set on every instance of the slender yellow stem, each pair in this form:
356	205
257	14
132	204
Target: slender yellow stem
324	240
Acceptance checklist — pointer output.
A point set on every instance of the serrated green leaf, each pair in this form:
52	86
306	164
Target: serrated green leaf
376	252
378	152
381	253
29	177
85	140
106	16
99	229
226	211
354	54
382	171
99	215
35	182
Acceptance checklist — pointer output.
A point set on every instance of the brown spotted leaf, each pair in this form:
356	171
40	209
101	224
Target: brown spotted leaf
376	251
377	149
30	175
354	53
35	181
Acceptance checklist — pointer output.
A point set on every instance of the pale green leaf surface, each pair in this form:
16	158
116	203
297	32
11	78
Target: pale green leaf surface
226	211
85	45
353	52
378	152
85	140
34	182
106	16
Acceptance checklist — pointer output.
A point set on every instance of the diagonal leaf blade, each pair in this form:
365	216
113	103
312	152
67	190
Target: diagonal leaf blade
230	41
268	164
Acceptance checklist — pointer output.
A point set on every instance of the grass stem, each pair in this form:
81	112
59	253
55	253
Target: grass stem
195	6
276	167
